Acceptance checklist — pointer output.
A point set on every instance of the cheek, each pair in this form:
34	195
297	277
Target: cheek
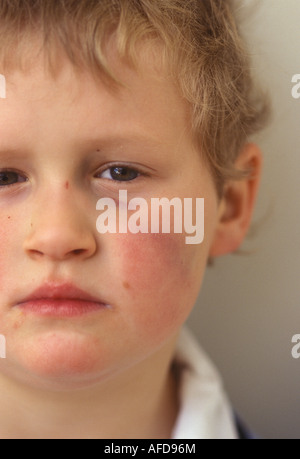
9	243
161	278
146	258
11	268
7	234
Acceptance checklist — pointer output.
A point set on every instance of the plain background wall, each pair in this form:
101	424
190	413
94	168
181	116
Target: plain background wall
249	306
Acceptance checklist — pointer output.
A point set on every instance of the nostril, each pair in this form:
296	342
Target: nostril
35	252
78	251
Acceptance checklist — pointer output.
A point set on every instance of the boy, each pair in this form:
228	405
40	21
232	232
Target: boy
153	98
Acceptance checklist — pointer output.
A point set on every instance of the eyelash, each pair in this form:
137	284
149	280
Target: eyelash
125	167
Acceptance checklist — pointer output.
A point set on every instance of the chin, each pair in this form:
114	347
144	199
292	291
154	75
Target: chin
61	361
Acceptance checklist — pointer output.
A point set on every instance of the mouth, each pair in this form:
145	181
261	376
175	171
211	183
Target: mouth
60	300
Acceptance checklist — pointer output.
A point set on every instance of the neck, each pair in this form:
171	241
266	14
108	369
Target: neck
139	403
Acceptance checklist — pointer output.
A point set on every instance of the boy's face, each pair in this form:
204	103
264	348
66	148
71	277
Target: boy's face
59	141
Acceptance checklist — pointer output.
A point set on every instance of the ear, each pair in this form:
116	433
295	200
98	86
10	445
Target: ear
237	204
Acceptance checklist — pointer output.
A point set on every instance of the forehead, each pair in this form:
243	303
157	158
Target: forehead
145	100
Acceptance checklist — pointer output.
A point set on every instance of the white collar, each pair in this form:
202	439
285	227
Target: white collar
205	412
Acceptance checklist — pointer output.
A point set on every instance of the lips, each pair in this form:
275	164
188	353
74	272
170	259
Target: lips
60	300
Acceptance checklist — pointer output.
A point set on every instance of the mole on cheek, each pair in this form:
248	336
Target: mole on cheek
126	285
67	185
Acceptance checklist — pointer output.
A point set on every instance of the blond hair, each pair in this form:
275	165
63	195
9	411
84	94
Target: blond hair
201	43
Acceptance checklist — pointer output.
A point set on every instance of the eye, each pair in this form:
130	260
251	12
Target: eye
8	178
120	174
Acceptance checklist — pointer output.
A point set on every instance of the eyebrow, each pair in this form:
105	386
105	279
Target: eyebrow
117	140
92	144
9	153
115	137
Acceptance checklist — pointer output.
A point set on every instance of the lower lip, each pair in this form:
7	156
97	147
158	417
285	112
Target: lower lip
61	307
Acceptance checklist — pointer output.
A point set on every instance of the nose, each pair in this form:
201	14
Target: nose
60	230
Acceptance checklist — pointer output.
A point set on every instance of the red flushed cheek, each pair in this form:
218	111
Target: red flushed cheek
8	247
159	269
145	258
5	238
10	267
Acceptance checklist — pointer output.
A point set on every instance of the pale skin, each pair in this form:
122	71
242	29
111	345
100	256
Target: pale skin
105	375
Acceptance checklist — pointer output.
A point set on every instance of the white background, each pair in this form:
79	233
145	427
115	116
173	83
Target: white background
249	306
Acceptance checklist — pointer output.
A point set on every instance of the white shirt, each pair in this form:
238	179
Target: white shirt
205	411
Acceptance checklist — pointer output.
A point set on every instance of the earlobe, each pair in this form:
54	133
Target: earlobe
237	205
